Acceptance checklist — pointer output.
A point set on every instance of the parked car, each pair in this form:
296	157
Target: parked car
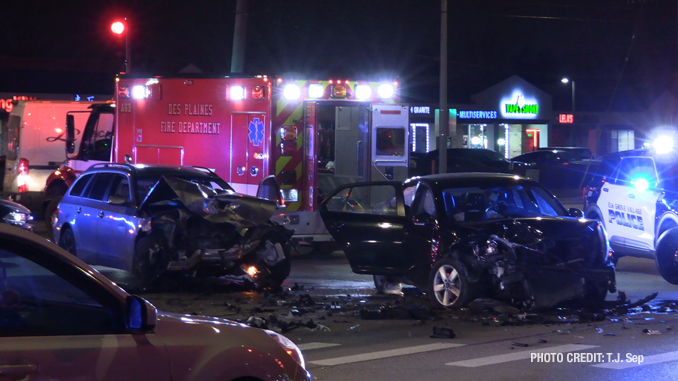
559	168
577	153
466	235
16	214
62	320
465	160
636	200
599	173
154	219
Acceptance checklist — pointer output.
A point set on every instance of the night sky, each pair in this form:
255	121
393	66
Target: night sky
621	54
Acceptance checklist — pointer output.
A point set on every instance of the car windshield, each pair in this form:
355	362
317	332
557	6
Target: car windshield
144	183
474	204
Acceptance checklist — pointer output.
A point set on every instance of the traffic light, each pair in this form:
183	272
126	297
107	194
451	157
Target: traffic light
120	28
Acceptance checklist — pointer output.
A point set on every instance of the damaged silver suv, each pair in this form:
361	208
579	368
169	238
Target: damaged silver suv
154	219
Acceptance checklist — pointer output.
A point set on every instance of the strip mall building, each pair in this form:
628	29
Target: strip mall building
514	117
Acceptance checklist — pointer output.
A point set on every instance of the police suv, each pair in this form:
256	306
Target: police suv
638	205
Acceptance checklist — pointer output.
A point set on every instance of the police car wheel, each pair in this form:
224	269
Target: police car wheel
666	255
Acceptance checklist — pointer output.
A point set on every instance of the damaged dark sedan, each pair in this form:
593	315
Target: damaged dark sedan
153	220
468	235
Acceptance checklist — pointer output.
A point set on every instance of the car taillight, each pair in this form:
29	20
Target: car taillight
22	178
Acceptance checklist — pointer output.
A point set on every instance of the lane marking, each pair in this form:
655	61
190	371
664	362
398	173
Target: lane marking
647	360
522	355
315	345
385	354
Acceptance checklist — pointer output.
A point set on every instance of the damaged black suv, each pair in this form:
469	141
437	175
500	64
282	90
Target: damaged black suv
467	235
155	219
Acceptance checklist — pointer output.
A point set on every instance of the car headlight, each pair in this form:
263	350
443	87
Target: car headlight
17	218
289	347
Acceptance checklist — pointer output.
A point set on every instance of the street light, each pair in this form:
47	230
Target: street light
565	80
120	27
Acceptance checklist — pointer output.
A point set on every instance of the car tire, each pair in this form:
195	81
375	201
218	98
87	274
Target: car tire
67	240
49	213
142	273
666	255
379	282
595	294
592	212
448	284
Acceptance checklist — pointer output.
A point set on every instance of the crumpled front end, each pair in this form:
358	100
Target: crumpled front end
542	262
193	229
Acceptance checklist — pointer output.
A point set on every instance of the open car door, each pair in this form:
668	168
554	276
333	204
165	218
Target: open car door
368	221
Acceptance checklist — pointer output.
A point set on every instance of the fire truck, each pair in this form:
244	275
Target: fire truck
312	135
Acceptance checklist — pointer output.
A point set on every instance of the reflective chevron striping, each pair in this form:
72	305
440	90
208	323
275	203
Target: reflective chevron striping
522	355
385	354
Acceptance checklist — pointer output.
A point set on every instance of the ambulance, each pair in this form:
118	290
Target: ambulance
311	135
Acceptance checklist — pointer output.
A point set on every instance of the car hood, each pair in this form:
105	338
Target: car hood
543	240
236	208
14	206
197	345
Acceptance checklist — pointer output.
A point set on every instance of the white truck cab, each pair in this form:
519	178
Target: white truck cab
34	147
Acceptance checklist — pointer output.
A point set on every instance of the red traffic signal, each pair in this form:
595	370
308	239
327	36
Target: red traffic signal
118	27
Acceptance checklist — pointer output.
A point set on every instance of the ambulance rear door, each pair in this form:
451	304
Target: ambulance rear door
249	151
389	133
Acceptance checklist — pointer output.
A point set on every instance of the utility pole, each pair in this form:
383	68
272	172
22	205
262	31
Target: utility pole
239	37
444	113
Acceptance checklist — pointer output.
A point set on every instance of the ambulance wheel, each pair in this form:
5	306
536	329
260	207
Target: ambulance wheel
666	255
448	284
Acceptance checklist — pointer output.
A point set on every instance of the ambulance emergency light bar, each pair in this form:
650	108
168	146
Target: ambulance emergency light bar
337	90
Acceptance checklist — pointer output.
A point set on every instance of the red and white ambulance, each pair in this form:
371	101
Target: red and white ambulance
312	135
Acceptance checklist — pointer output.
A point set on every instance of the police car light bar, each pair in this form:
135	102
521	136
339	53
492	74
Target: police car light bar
663	144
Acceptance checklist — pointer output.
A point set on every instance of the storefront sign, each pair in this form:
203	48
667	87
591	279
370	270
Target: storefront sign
420	110
477	115
7	105
518	106
565	118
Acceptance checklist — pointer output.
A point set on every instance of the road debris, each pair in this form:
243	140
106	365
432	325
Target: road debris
443	333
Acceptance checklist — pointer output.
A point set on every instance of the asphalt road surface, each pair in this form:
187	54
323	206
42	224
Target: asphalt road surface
348	332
